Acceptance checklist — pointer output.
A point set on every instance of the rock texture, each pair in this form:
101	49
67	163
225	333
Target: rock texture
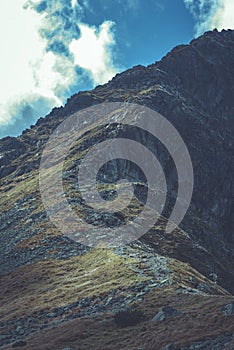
49	282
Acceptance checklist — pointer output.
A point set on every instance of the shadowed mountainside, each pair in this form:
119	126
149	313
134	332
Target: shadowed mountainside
70	292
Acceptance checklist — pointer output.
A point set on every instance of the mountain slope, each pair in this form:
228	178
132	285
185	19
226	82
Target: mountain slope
48	279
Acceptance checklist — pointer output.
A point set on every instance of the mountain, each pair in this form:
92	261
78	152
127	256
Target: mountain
166	290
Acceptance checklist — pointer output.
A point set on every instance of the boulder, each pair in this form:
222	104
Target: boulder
166	312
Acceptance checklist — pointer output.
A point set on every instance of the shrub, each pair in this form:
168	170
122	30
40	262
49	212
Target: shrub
125	318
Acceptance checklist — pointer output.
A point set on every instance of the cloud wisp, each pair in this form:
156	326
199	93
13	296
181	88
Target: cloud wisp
211	14
223	17
96	57
49	53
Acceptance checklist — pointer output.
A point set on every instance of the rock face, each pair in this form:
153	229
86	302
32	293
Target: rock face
164	313
229	309
193	87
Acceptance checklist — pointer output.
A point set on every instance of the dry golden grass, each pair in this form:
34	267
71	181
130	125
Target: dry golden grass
20	189
48	284
186	276
54	283
201	317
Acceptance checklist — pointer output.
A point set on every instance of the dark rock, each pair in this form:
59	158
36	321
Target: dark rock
220	342
9	144
166	312
6	170
169	347
10	149
19	344
229	309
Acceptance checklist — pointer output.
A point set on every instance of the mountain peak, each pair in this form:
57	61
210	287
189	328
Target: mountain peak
49	281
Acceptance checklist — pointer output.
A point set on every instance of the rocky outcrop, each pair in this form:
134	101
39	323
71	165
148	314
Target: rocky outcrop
193	87
164	313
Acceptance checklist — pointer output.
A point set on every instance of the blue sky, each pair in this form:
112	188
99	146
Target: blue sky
51	49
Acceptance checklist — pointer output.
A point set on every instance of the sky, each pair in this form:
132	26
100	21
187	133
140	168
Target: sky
51	49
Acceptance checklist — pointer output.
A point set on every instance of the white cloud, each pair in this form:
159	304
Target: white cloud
211	14
36	69
223	17
26	70
92	51
74	3
16	53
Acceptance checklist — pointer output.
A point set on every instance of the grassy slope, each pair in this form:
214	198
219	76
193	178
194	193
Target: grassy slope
201	318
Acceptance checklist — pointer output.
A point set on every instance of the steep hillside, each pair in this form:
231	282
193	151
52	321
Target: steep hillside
57	293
